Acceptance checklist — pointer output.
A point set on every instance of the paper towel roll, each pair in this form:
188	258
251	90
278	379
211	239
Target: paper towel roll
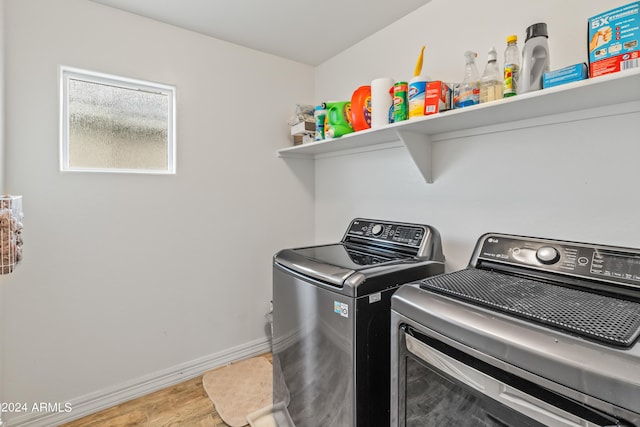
381	101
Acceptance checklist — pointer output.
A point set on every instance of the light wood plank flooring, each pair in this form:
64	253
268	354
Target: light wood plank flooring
185	404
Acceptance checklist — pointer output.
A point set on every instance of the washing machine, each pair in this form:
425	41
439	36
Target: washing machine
331	320
535	332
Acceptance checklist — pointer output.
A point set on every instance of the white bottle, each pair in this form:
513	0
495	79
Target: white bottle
491	81
535	58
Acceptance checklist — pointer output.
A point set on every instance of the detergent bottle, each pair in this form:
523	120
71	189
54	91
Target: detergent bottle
361	108
535	58
339	119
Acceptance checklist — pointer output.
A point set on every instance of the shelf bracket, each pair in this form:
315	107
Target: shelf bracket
419	147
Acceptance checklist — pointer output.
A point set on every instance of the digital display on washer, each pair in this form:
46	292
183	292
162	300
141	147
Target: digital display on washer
408	235
616	265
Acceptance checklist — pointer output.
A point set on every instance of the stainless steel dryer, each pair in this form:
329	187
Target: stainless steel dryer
331	320
534	333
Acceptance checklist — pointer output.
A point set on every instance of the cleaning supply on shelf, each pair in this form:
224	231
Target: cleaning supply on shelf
400	102
491	81
535	58
469	90
320	114
391	109
361	108
455	95
613	40
417	89
572	73
339	119
511	67
437	98
381	101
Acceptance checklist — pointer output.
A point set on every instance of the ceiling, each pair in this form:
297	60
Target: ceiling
306	31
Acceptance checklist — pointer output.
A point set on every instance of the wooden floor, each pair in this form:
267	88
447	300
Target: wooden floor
185	404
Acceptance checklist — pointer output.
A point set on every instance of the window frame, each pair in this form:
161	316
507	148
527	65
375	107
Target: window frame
66	73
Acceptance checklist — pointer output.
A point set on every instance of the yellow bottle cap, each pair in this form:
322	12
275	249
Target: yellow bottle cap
512	38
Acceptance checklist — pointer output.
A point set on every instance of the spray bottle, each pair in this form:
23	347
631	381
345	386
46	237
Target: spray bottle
470	87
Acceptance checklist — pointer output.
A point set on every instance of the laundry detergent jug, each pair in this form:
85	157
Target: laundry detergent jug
535	58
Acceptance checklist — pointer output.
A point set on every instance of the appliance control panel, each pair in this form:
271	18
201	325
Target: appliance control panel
599	262
387	232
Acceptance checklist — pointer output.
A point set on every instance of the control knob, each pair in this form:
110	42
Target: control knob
547	255
376	230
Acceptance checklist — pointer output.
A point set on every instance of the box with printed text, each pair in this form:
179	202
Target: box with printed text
437	97
613	40
572	73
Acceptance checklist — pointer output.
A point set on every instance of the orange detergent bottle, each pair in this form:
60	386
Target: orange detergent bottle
361	108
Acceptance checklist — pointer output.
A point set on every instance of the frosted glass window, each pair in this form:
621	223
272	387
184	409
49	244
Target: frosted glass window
116	124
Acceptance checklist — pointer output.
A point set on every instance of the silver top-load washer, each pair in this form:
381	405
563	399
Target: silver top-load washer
331	307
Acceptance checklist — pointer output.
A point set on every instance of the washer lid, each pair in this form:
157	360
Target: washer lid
333	263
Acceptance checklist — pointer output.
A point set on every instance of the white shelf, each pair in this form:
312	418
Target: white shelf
605	95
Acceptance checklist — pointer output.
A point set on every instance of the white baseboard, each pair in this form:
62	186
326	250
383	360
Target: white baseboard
111	396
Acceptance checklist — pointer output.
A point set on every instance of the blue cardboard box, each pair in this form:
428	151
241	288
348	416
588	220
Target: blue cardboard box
613	39
569	74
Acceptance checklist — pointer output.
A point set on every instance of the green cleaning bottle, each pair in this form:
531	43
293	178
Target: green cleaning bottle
339	118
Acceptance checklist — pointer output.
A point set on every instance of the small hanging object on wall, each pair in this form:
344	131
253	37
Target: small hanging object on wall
10	232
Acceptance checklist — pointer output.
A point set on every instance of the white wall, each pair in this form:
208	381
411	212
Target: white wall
447	33
2	310
571	181
125	277
2	109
